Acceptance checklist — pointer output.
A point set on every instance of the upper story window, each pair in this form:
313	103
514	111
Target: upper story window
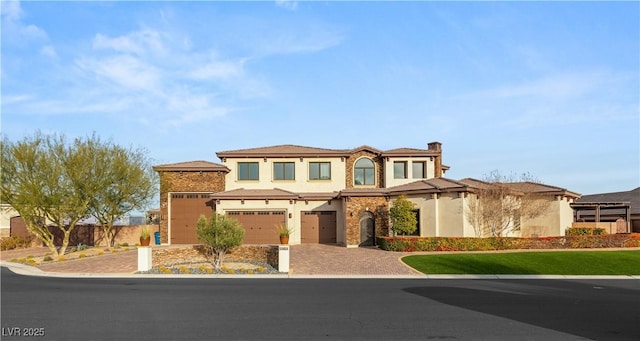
248	171
364	172
418	170
284	171
399	169
319	170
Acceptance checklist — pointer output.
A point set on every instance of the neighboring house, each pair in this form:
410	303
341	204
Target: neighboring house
605	209
7	215
331	196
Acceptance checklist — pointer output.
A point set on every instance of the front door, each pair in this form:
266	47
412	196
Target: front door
367	228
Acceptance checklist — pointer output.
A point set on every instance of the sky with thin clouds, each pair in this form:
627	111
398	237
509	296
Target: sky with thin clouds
546	88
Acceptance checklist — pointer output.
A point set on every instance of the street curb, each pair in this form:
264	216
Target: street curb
26	270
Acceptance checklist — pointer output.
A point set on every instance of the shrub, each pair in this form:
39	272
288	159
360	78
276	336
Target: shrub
47	259
220	234
61	259
15	242
585	231
82	255
410	244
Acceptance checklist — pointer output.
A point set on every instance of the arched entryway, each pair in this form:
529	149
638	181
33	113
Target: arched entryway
367	229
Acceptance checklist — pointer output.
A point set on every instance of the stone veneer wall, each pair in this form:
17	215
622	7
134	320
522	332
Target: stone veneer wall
176	181
351	160
379	206
196	254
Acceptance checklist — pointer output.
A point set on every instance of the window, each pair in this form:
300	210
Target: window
364	172
319	170
417	231
247	171
284	171
399	170
418	170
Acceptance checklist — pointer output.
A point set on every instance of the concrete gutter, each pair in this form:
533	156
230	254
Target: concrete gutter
27	270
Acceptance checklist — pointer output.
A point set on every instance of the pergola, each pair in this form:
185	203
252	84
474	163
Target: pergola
600	209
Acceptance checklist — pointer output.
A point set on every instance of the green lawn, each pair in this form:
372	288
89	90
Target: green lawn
527	263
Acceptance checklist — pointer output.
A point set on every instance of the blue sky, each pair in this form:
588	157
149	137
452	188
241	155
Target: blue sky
551	89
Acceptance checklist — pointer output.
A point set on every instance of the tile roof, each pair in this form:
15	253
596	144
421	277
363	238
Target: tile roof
242	193
632	197
434	185
541	188
406	152
192	166
522	186
287	150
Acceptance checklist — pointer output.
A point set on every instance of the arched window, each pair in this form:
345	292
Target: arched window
364	172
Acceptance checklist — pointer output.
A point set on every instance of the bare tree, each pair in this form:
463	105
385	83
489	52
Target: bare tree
501	203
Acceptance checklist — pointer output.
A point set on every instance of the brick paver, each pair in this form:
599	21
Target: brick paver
121	262
320	259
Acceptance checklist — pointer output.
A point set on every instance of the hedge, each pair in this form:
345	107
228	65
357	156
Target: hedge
410	244
585	231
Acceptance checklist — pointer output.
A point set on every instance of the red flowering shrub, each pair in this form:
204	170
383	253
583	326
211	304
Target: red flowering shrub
410	244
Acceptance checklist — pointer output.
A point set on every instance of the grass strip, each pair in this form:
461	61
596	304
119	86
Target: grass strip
529	263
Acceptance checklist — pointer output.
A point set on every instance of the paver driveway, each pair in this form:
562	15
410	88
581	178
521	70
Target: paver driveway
321	259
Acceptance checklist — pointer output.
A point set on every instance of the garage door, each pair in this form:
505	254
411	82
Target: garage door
186	208
259	226
318	227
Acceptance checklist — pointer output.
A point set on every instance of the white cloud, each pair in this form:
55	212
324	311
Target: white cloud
128	72
287	4
215	68
139	42
160	76
14	30
49	51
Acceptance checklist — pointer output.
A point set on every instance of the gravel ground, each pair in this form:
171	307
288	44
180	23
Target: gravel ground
201	268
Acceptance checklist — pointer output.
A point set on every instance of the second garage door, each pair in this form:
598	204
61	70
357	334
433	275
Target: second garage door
259	226
318	227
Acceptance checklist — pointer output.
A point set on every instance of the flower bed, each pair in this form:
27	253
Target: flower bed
410	244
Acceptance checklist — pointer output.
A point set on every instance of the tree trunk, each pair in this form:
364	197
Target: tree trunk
65	242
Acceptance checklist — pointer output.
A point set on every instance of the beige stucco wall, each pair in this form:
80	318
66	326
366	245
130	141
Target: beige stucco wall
557	219
390	181
451	216
442	215
294	207
301	182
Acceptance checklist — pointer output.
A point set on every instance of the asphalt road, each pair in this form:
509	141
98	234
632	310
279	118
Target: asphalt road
318	309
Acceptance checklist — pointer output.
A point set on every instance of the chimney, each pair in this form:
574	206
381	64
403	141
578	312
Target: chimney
436	147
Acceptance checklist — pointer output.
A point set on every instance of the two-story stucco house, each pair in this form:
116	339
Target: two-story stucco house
337	196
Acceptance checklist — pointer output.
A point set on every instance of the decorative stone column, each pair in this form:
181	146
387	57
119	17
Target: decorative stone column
283	258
